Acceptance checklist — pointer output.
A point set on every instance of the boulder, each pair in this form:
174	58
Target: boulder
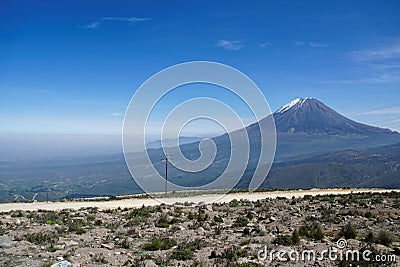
71	243
107	246
272	219
148	263
6	242
63	263
207	207
279	229
201	231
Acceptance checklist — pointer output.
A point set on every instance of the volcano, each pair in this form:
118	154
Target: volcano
311	116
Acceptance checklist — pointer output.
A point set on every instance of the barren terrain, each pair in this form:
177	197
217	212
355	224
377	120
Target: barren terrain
235	231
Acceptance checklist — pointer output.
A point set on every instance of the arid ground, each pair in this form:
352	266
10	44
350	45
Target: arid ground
344	227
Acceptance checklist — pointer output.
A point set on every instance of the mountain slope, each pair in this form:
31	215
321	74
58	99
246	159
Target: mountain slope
308	115
377	167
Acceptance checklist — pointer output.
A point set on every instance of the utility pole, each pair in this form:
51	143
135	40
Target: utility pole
166	173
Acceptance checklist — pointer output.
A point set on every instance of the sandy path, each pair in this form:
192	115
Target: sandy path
207	198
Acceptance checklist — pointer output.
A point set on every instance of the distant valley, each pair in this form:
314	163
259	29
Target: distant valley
316	147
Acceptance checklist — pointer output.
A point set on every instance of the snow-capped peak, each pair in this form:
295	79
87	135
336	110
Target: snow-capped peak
296	102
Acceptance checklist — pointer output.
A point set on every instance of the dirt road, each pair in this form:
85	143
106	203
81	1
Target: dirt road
207	198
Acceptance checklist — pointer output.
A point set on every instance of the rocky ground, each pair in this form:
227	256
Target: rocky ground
271	232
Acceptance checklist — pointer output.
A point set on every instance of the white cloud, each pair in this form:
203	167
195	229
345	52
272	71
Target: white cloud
383	55
266	44
116	114
311	44
96	24
93	102
392	124
385	60
93	25
382	64
230	45
382	111
380	78
125	19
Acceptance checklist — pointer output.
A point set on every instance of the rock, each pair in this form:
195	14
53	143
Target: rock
201	231
272	219
279	228
148	263
216	253
247	231
107	246
62	264
6	242
253	214
207	207
262	216
213	255
71	243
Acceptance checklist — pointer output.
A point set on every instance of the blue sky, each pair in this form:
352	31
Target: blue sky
71	67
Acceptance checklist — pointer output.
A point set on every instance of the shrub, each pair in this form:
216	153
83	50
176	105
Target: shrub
245	242
283	240
234	253
295	237
384	238
76	226
99	257
124	243
162	221
202	216
128	262
250	215
218	219
241	221
369	237
246	231
52	248
195	244
50	222
174	221
41	238
142	212
18	213
182	255
234	203
348	231
158	243
318	233
369	215
314	232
